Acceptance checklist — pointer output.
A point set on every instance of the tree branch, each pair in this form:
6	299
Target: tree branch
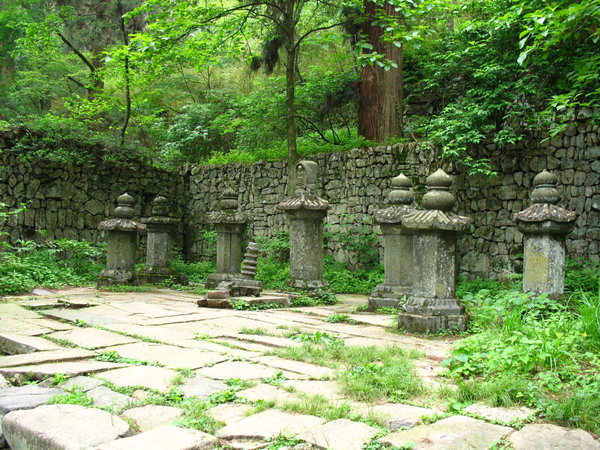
77	52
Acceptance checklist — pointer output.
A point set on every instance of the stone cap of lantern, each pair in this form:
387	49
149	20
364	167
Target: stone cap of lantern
123	214
400	197
544	209
228	209
438	201
160	213
305	195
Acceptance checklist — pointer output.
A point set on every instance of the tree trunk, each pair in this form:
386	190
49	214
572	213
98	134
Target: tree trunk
381	98
289	25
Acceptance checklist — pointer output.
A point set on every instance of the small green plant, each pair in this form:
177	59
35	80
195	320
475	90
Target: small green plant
255	331
319	337
242	305
113	356
340	318
59	378
275	379
282	442
72	396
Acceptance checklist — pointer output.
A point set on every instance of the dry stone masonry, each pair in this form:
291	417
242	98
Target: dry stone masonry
545	226
305	211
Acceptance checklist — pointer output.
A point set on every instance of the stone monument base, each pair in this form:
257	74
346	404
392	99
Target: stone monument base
310	285
388	296
111	277
432	315
214	279
160	276
221	299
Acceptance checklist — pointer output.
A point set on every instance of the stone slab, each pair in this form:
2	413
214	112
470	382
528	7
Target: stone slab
95	316
310	370
341	434
42	371
162	334
165	437
551	437
168	355
229	413
11	325
107	398
3	383
395	415
92	338
151	377
504	415
244	371
201	387
51	324
25	397
64	354
456	433
218	348
153	416
85	383
65	427
268	424
265	392
16	311
267	341
16	344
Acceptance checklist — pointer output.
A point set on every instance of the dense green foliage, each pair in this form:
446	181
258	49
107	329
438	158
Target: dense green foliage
176	82
534	350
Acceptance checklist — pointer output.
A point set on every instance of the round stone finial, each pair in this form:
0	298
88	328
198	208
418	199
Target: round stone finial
401	193
544	188
229	199
438	195
124	209
160	206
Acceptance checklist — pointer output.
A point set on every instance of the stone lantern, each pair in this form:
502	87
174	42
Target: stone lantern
230	225
432	307
397	247
544	226
160	228
305	211
122	238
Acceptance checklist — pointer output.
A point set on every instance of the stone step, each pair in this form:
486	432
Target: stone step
341	434
166	437
25	397
16	344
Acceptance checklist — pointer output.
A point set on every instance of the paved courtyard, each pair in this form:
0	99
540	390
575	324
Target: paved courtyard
217	354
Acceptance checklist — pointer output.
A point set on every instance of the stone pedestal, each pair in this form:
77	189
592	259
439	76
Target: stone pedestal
160	228
397	248
432	307
122	239
305	212
230	226
544	226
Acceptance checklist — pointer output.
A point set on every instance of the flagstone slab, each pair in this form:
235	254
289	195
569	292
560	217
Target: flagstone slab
25	397
107	398
166	437
267	341
201	387
184	318
162	334
34	303
92	337
341	434
64	354
16	311
51	324
395	415
151	377
218	348
4	384
328	389
16	344
153	416
11	325
504	415
268	424
94	316
243	345
229	413
68	427
544	436
379	320
456	433
244	371
85	383
42	371
312	370
265	392
168	355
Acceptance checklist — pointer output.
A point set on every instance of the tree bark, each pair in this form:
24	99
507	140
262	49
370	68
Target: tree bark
381	108
289	28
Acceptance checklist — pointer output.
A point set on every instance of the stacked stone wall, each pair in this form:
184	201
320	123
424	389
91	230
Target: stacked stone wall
357	182
63	201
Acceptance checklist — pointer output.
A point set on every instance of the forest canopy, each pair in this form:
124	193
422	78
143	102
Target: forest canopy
175	82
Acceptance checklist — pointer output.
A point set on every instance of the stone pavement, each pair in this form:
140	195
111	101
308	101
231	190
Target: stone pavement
200	352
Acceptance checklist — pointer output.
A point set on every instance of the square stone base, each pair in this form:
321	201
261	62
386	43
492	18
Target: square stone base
111	277
310	285
214	279
417	323
388	296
